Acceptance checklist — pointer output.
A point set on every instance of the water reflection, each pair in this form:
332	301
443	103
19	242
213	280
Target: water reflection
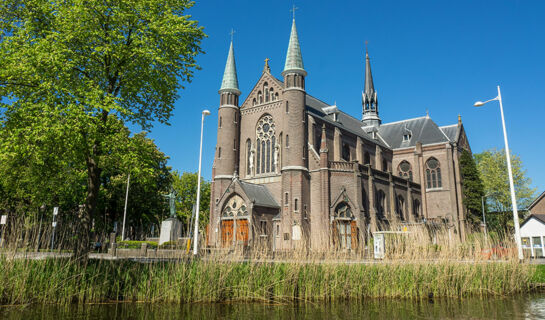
522	307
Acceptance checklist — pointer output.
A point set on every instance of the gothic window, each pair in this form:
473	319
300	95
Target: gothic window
234	208
379	204
296	204
219	152
266	90
248	157
344	227
286	199
254	102
384	165
287	107
276	96
272	94
366	158
346	152
416	208
405	170
220	123
266	144
433	173
259	97
400	204
287	141
317	138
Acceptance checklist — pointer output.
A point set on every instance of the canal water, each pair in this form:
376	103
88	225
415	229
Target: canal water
520	307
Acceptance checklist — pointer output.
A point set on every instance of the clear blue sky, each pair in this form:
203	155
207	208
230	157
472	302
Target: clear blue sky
435	55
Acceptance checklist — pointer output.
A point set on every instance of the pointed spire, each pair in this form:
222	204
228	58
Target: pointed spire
294	59
323	142
230	80
369	86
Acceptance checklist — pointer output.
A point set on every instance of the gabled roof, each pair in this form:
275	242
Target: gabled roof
422	130
259	195
538	199
344	121
539	217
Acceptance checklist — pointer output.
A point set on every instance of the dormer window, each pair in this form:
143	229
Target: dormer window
407	137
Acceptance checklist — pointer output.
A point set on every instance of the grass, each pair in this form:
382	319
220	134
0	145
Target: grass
61	281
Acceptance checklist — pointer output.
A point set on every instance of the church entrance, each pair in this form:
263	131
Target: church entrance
345	229
234	223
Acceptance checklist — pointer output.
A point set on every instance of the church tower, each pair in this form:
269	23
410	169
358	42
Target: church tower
369	98
226	159
295	177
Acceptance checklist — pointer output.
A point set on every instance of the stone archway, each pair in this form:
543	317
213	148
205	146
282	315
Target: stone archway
234	222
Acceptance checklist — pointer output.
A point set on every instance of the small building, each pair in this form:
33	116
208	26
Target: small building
538	205
532	232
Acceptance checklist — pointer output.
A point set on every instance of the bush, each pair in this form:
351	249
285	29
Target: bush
136	244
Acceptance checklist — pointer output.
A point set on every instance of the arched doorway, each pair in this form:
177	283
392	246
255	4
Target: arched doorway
234	222
345	229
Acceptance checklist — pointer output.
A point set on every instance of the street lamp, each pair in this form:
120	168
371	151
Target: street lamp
196	233
511	184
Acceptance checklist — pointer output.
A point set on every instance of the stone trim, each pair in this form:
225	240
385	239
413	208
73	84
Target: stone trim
262	107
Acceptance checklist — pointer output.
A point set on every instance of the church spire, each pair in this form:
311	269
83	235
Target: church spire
294	59
369	97
230	80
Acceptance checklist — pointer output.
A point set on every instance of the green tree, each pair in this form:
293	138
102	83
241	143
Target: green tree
71	69
492	166
185	185
473	188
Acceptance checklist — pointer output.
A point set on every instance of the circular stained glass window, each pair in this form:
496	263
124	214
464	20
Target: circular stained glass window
433	163
405	166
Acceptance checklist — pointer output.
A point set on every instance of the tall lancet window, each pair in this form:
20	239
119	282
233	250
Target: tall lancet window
433	174
267	154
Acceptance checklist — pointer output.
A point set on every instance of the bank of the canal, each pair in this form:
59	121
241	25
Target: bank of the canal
61	281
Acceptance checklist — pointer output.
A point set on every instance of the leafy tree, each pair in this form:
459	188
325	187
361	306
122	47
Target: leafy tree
492	166
186	186
70	70
473	189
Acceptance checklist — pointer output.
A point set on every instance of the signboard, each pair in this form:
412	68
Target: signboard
55	211
4	219
379	245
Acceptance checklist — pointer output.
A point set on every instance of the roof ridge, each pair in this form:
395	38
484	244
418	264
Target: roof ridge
401	121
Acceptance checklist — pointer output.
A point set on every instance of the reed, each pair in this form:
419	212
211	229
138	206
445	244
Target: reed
63	281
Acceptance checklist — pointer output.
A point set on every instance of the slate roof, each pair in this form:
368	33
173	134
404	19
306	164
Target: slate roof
230	80
294	59
421	129
344	120
259	195
450	131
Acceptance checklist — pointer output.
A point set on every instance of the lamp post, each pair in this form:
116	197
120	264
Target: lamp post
509	170
196	233
484	217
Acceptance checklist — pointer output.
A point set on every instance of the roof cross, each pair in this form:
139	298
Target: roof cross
293	11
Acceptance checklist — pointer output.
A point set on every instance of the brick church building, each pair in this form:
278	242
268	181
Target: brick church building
291	171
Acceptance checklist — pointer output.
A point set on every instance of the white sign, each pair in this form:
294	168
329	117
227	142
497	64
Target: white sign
54	224
379	245
4	219
55	211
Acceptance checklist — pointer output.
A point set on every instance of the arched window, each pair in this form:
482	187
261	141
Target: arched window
405	170
266	143
266	91
287	141
344	227
296	204
234	207
249	160
219	152
287	107
433	173
384	165
379	204
400	205
220	123
254	102
345	152
276	96
271	91
416	208
259	97
366	158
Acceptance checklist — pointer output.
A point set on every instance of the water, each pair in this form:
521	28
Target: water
521	307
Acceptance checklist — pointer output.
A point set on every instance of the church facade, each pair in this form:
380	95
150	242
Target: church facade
291	171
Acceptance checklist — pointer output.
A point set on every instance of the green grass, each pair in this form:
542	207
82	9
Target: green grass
62	281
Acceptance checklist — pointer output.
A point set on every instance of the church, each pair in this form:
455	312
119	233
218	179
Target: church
293	172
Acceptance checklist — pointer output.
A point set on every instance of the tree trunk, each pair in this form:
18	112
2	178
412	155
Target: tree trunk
83	243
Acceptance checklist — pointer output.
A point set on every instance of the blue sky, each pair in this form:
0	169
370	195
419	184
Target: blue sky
439	56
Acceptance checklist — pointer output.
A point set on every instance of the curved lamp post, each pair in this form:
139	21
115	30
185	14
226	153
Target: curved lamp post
509	170
196	233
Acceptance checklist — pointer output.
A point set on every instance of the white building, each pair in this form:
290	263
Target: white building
532	232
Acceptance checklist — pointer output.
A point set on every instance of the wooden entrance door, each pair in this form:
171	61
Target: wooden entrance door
242	231
226	233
